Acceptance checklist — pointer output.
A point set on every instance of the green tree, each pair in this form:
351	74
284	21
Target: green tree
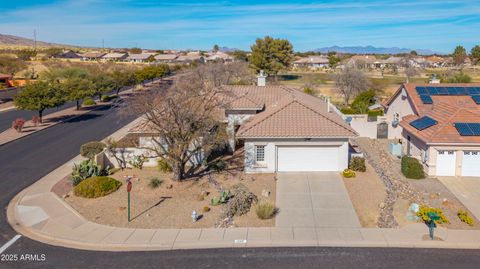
459	55
102	83
413	53
78	88
39	96
333	60
216	48
122	79
475	52
365	99
271	55
240	55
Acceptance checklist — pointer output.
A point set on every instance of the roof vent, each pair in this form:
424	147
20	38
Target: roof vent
261	79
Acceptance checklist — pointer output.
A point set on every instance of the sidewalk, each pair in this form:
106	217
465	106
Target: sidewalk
49	120
39	214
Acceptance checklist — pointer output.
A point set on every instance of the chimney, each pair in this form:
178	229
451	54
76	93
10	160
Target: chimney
328	104
261	79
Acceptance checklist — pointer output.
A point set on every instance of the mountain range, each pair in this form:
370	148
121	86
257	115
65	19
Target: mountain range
373	50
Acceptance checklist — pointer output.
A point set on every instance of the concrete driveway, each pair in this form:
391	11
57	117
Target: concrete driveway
467	190
313	200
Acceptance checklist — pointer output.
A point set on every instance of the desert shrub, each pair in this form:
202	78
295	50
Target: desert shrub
88	102
154	182
92	148
348	173
98	186
412	168
357	164
86	169
112	171
265	209
163	166
348	110
35	120
240	202
423	214
217	165
205	209
309	90
465	217
105	98
375	113
138	161
18	124
222	199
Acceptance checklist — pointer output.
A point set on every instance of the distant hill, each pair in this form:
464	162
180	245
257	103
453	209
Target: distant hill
373	50
17	41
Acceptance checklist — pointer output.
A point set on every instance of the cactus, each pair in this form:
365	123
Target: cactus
84	170
223	198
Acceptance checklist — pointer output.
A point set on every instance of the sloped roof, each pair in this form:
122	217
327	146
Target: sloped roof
140	56
92	54
166	57
291	114
114	55
313	60
446	110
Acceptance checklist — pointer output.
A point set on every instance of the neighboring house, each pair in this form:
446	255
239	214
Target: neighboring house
92	56
166	58
219	56
285	130
439	125
115	56
365	61
140	58
312	62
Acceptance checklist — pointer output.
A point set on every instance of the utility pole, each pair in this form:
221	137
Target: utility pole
103	44
34	39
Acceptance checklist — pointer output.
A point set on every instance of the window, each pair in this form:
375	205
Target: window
259	153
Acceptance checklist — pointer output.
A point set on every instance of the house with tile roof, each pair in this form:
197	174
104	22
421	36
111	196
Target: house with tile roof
115	56
312	62
285	130
279	129
140	58
439	124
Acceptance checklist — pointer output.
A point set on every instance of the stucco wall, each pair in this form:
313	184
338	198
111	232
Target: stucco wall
233	120
269	166
363	127
401	106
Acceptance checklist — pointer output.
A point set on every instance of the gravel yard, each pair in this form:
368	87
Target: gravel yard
171	204
366	192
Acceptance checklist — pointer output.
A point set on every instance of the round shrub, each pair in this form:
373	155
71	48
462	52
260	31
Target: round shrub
265	209
348	173
88	102
92	148
96	187
423	214
357	164
412	168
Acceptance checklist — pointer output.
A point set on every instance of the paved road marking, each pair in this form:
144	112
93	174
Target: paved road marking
9	243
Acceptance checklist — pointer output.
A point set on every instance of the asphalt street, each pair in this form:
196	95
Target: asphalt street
24	161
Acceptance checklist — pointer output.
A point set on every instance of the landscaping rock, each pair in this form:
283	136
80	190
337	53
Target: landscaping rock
265	193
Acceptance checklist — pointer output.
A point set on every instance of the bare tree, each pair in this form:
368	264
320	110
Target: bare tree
350	82
409	69
186	120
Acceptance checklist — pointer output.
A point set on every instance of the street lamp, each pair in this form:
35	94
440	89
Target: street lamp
129	189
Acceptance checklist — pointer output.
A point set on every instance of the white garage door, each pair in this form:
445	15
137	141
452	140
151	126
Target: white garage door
446	163
307	159
471	164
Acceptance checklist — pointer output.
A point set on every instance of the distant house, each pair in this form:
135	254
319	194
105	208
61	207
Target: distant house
219	56
365	61
140	58
191	57
166	58
115	56
393	61
4	78
312	62
92	56
68	54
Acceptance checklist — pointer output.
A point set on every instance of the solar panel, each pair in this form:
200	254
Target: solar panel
464	129
461	91
423	123
422	91
442	91
452	91
476	99
426	99
433	91
475	127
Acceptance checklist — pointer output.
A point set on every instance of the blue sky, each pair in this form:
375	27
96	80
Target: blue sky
438	25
